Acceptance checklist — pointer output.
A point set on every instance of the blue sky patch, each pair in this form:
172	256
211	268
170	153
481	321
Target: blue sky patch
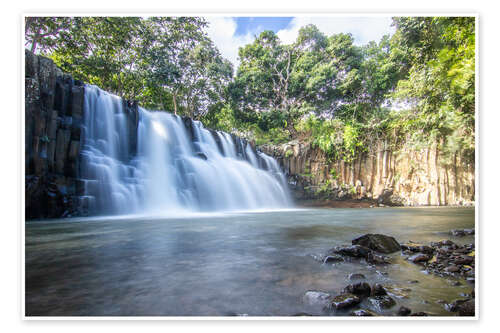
256	25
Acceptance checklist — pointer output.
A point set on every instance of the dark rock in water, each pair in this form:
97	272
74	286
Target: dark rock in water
454	306
419	257
467	308
362	313
202	156
464	260
361	289
316	298
356	276
452	269
458	232
356	251
382	302
403	311
332	259
419	314
378	290
378	242
413	281
344	301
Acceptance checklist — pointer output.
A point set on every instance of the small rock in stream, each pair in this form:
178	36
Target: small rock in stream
362	313
343	301
382	302
403	311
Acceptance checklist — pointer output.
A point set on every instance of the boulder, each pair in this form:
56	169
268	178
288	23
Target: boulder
361	289
378	242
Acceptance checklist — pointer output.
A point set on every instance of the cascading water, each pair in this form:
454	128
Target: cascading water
161	165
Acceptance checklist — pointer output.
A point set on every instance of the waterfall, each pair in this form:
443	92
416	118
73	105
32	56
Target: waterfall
158	163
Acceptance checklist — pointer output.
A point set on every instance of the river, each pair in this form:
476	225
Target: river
248	263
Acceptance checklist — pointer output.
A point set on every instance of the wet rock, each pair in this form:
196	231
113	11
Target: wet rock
382	302
343	301
403	311
452	269
413	281
356	276
467	308
454	306
378	242
362	313
332	259
464	260
361	289
316	298
356	251
419	258
378	290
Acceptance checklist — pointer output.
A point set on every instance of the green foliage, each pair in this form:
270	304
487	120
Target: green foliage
164	63
288	153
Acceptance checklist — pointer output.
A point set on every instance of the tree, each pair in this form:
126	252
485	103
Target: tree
43	32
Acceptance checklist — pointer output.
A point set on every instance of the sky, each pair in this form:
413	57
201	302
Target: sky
230	33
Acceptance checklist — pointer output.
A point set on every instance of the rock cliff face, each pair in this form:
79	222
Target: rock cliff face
54	104
405	177
53	116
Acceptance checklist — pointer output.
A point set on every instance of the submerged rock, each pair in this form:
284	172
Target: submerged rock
332	259
344	301
316	298
378	242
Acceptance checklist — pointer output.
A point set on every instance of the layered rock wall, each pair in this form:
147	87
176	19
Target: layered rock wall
405	176
53	118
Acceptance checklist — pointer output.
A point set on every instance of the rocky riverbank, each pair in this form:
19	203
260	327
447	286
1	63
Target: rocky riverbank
383	174
446	259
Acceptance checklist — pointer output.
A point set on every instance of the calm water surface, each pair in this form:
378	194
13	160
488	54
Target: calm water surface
255	264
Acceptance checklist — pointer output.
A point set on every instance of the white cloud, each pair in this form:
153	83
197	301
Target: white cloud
221	30
363	29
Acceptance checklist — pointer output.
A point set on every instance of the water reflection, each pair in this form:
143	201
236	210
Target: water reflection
253	263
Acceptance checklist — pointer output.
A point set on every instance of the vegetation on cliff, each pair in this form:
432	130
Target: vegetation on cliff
415	87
